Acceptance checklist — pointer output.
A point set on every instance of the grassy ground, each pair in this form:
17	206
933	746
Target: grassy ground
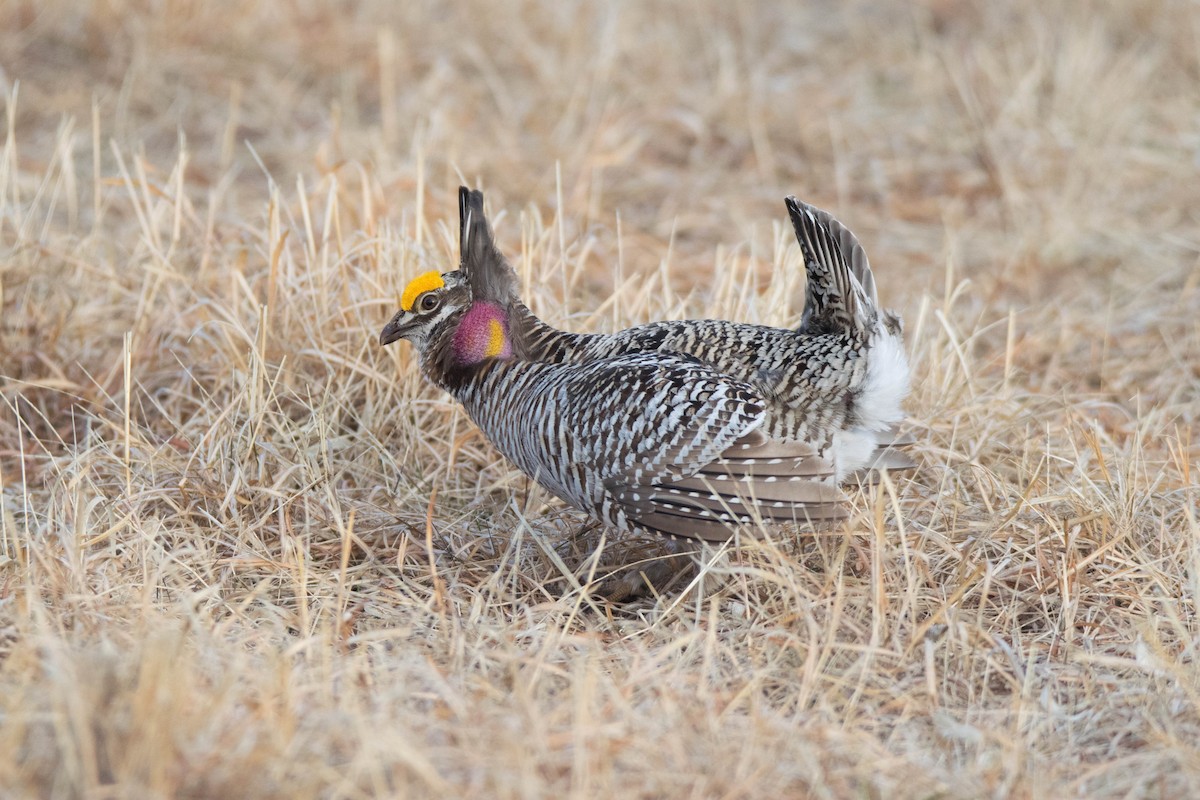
246	552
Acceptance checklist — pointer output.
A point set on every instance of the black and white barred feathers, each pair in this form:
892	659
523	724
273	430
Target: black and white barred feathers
685	428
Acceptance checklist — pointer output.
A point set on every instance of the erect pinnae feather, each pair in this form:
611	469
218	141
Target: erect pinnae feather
488	272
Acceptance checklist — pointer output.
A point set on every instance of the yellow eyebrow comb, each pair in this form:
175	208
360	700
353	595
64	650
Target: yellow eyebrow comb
419	286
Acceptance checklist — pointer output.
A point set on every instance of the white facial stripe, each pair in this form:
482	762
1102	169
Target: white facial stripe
424	323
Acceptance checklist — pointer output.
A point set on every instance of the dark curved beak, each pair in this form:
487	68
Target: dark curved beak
392	331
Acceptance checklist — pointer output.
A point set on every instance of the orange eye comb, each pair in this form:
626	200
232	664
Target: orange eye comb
419	286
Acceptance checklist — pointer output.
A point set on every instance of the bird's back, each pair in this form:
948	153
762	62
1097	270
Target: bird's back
835	383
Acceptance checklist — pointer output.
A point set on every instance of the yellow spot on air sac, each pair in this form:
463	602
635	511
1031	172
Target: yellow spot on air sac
495	343
419	286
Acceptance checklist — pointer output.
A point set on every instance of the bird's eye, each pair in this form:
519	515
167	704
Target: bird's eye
429	301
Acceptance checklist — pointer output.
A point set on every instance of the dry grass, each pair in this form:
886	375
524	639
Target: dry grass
245	552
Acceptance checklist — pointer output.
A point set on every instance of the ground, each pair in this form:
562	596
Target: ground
246	552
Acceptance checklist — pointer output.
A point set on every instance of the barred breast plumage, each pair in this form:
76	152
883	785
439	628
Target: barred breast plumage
688	428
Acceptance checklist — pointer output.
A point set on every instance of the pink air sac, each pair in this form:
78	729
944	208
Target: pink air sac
482	333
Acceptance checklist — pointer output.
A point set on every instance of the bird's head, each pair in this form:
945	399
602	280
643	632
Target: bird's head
467	310
429	301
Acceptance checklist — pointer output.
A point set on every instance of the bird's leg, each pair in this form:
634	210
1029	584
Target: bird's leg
575	547
646	567
654	569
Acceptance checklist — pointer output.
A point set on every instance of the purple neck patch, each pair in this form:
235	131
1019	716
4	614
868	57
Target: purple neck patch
483	333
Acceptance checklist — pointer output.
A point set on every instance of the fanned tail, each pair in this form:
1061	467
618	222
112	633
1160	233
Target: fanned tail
840	296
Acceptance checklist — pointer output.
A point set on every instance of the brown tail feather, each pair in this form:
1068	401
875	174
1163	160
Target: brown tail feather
679	526
758	489
734	509
701	513
686	525
893	437
884	458
812	468
769	448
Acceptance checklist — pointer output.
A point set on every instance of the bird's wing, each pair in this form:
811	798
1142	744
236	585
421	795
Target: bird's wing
677	449
783	484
